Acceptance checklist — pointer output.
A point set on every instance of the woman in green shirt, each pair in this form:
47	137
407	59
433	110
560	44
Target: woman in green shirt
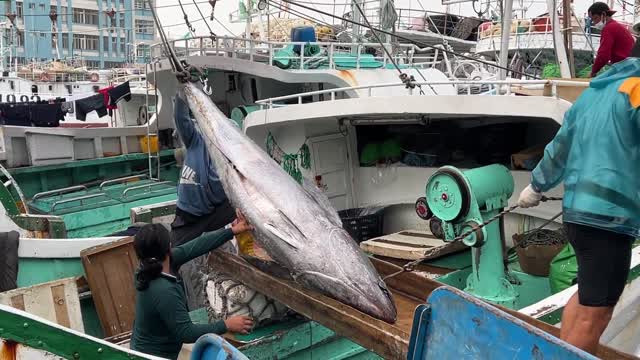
162	322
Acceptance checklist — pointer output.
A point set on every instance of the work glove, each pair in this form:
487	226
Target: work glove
529	198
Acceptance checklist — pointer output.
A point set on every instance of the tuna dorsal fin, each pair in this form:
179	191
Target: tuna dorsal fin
322	200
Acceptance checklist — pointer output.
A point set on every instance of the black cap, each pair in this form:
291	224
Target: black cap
599	8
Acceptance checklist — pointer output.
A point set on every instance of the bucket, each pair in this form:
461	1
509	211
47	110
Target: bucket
536	259
144	143
304	34
240	112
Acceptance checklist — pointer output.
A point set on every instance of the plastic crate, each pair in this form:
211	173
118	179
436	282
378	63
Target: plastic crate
362	227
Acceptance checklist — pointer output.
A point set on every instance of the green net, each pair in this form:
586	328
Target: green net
291	163
551	71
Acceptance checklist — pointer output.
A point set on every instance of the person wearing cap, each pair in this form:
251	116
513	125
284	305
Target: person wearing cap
595	154
616	41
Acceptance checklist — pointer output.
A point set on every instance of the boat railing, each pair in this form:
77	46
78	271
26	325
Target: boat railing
494	87
300	55
53	76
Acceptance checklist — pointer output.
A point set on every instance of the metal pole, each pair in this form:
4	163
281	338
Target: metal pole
507	16
568	34
561	54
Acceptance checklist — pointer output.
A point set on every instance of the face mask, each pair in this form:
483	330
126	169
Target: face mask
599	25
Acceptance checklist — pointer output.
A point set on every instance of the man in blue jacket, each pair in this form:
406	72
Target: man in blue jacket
202	203
596	154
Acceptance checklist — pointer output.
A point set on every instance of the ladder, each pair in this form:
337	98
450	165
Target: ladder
151	108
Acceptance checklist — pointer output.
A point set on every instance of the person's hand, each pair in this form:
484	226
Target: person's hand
529	197
241	224
239	324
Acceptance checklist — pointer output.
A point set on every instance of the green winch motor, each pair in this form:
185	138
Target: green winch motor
461	201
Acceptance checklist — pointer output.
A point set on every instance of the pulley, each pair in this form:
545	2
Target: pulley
448	195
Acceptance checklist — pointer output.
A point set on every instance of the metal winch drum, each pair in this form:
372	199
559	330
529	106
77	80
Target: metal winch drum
457	202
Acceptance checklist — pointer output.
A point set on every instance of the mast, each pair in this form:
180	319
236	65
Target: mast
507	17
561	53
567	11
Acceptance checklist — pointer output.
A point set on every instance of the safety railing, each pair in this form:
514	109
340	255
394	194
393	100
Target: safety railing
300	55
495	87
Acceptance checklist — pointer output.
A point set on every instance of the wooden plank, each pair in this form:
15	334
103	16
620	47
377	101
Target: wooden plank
56	301
60	305
109	270
410	245
18	302
388	340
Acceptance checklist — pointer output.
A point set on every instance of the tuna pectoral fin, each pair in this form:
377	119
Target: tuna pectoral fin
283	235
269	267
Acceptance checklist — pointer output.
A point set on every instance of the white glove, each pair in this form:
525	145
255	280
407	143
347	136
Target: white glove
529	198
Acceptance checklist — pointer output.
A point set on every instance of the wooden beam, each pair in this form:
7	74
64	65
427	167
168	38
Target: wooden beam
387	340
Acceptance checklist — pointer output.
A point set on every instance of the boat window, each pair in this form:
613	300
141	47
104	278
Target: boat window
50	87
34	89
465	143
12	85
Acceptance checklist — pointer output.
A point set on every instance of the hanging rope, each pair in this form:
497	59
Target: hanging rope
291	163
186	19
211	33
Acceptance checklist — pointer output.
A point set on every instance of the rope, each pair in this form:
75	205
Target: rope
192	30
211	33
410	266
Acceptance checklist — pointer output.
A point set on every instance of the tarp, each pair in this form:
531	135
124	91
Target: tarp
9	242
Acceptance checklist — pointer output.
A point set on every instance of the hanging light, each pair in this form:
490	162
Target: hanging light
262	4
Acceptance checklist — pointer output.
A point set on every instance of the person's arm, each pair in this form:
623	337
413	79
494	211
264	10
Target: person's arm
604	51
199	246
177	320
184	125
550	170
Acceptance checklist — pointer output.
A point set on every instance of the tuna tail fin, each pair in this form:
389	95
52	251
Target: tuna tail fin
322	200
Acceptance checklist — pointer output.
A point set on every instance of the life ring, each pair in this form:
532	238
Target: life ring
95	77
44	76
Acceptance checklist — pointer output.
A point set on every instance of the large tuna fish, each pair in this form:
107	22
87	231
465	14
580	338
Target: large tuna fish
295	224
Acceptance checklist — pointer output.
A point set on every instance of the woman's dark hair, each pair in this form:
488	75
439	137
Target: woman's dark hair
152	244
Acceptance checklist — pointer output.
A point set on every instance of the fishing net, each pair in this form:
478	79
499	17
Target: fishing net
227	298
291	163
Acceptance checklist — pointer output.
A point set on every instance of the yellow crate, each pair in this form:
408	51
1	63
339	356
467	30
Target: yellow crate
144	143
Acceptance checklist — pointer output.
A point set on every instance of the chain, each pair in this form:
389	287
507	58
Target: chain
410	266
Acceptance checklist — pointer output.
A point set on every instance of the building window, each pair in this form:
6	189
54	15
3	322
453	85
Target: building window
85	16
19	10
144	27
105	43
142	50
142	5
41	6
32	5
20	38
122	21
121	4
85	42
114	45
65	41
122	46
63	14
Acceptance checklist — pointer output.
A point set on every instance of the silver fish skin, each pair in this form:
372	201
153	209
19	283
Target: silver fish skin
295	224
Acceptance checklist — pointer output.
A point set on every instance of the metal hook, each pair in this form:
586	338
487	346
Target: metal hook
205	86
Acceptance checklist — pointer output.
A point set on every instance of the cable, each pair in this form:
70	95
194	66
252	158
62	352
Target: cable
409	40
186	19
213	35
